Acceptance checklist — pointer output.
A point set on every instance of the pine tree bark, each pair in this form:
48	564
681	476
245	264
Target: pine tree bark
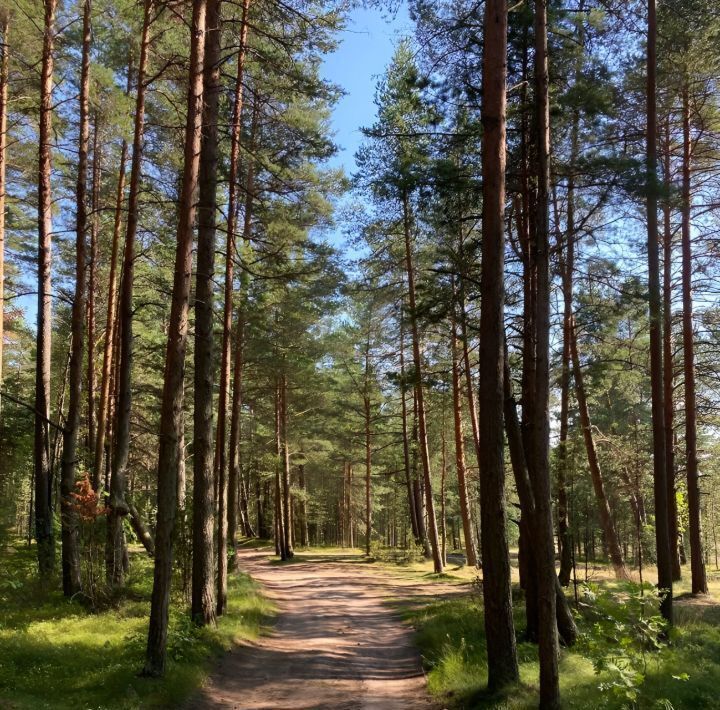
544	540
468	534
432	530
221	456
4	78
92	283
660	487
172	399
697	560
68	518
499	627
606	519
41	452
286	489
116	502
405	439
205	603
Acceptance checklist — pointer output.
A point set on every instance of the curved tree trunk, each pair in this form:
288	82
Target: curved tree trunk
117	503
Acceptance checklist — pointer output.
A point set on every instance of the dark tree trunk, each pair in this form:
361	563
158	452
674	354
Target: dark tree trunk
499	627
660	487
669	371
117	503
172	397
221	456
697	560
204	483
70	551
4	77
92	283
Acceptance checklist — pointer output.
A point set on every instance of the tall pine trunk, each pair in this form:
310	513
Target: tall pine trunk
221	455
669	360
4	78
172	397
432	530
499	627
117	503
70	551
41	448
697	561
205	603
662	540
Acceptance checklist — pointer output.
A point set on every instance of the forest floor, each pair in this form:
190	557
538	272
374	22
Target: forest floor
339	642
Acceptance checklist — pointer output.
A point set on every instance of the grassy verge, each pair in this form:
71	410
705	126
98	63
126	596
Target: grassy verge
56	654
615	664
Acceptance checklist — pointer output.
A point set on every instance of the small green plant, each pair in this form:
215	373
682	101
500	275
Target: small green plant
625	634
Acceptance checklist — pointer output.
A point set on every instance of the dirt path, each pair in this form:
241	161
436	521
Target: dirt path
336	645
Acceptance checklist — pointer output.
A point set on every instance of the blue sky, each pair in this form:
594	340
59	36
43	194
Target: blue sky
367	45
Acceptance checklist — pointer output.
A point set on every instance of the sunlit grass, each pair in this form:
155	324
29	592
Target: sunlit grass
57	654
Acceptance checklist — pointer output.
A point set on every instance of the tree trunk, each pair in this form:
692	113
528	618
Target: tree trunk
204	483
468	534
544	540
606	518
405	440
220	452
565	621
92	283
669	371
499	627
660	487
172	399
116	503
4	77
43	479
70	550
286	491
697	560
304	532
417	361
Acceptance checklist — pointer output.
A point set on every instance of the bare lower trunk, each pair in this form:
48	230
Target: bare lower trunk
172	399
468	534
432	531
286	490
499	626
697	560
669	371
606	518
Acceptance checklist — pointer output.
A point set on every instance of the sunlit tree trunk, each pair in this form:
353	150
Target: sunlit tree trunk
43	511
4	77
432	531
172	399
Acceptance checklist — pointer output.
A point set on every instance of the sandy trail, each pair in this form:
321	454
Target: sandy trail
336	644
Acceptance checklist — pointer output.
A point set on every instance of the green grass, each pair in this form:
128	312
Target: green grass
57	654
683	675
